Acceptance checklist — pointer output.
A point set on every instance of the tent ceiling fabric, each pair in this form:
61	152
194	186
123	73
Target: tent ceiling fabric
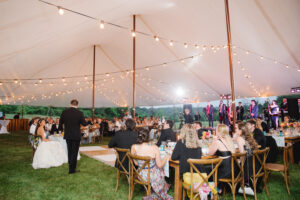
36	42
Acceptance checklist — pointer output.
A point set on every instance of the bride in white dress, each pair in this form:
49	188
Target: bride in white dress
48	153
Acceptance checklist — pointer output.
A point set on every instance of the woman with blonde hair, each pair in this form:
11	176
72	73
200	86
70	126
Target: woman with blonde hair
223	147
189	146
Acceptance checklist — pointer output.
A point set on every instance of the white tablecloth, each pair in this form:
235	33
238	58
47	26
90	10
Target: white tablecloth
279	140
4	124
62	142
166	167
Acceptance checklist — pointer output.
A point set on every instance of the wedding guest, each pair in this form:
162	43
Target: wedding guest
284	109
257	133
240	112
210	114
145	148
187	116
167	133
223	147
253	110
222	113
55	127
17	116
124	140
197	116
199	129
274	112
189	146
33	125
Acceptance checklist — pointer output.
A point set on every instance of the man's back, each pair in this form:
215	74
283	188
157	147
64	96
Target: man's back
72	118
166	134
260	138
123	139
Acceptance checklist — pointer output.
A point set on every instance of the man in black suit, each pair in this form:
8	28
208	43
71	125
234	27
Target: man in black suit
187	116
55	127
72	118
197	116
257	133
124	140
240	112
167	133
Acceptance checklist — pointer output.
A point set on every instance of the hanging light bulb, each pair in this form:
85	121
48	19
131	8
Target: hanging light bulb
165	64
204	47
261	57
156	38
171	43
35	84
51	84
15	81
107	74
298	70
1	83
287	66
101	24
147	68
77	83
196	46
20	83
133	33
182	60
185	45
40	80
275	62
63	79
60	11
247	52
85	77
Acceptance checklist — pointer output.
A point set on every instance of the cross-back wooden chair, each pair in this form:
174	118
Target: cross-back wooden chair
214	173
34	141
282	168
259	156
135	177
237	173
121	169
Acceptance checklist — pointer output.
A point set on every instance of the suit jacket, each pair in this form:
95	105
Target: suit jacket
124	140
240	113
260	138
254	110
166	134
55	129
72	118
188	118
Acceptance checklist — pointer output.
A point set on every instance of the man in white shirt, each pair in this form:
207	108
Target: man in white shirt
33	126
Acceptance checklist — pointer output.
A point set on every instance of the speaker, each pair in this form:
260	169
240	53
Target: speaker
188	106
293	107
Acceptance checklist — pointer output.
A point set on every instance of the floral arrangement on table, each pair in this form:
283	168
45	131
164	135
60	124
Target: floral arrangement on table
290	128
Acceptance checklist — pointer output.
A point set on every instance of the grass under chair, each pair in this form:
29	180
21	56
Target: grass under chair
18	180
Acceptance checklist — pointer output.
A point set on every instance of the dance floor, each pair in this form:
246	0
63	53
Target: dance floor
100	153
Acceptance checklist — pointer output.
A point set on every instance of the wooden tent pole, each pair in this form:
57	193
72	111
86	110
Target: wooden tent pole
94	70
133	70
230	61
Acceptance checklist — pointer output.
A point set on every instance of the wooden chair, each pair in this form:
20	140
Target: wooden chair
259	156
214	173
34	141
121	169
135	177
237	173
282	168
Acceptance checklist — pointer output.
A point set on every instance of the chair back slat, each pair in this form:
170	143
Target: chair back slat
120	164
286	156
193	162
237	163
260	156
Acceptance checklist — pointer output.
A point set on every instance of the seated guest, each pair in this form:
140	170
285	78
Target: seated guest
145	148
199	129
223	147
257	133
189	146
246	143
167	133
48	153
55	127
263	124
33	125
124	140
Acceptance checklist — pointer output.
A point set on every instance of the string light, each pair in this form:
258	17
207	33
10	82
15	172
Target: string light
287	66
63	79
101	24
77	82
60	11
15	81
107	74
85	77
51	84
204	47
185	45
133	34
40	80
1	83
156	38
171	43
196	46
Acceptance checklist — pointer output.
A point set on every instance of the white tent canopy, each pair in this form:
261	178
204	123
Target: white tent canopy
38	43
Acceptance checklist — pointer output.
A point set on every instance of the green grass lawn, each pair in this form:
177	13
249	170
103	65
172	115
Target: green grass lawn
18	180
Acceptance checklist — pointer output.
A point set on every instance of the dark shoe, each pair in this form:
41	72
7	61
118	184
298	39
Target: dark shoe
73	172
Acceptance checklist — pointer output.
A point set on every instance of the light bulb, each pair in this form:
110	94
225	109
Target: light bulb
15	81
171	43
101	24
40	80
1	83
85	77
261	57
275	62
107	74
63	79
147	68
60	11
133	34
196	46
165	64
77	83
185	45
156	38
182	60
287	66
204	47
51	84
247	52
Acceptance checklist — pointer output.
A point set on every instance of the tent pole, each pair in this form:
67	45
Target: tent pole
22	111
94	69
133	70
230	61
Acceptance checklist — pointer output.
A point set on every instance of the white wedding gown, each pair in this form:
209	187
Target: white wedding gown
49	154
